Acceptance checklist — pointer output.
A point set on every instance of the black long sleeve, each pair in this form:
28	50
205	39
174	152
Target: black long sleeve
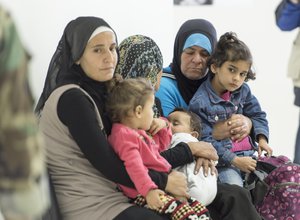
178	155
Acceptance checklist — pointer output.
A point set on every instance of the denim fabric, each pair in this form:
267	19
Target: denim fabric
212	109
230	175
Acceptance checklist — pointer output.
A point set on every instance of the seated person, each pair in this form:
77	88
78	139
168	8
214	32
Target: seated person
224	93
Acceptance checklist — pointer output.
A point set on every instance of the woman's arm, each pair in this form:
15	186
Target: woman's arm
179	155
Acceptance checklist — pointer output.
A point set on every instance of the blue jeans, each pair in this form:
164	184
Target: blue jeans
231	174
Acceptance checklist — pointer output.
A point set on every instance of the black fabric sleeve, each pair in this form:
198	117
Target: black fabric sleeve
76	111
178	155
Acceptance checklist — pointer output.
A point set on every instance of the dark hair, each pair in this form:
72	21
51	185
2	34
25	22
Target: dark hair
195	120
230	48
126	95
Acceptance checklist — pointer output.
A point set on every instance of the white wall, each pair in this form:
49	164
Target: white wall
41	24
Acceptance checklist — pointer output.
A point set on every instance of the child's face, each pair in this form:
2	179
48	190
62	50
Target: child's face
180	122
230	76
147	114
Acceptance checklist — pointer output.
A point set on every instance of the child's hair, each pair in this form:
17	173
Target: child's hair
230	48
126	95
195	120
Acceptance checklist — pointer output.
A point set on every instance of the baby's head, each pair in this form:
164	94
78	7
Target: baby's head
131	99
184	121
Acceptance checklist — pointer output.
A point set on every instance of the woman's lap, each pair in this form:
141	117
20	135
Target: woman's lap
139	213
231	203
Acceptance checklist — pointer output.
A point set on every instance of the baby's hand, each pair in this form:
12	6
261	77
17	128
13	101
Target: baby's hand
157	125
153	199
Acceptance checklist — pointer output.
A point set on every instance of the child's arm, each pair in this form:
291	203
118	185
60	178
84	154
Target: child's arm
127	145
161	133
252	109
157	125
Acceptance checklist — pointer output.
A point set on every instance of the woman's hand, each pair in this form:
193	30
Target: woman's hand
204	150
236	127
177	185
206	164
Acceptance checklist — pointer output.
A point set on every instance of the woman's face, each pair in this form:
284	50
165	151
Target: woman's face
99	58
193	62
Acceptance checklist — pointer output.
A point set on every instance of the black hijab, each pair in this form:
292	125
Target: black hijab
187	87
63	68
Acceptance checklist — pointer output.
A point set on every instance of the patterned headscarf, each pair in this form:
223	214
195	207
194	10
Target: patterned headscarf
139	56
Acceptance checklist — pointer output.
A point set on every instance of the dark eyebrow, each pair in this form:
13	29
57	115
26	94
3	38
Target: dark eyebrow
102	45
232	66
235	68
97	45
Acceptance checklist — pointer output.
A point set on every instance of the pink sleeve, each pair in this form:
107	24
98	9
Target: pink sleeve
127	145
163	137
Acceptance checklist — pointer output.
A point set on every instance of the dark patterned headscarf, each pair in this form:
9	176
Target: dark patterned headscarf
139	56
71	46
187	87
